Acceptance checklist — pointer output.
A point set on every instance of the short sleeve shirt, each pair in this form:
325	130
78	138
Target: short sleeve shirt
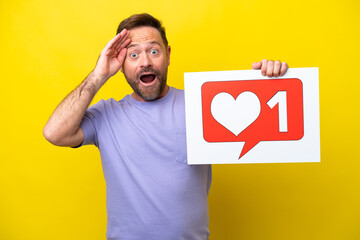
151	191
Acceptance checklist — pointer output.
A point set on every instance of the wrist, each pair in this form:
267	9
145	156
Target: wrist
97	79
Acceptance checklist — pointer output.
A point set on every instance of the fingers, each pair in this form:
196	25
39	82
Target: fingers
113	55
271	68
114	40
122	55
122	50
264	63
121	44
283	69
256	65
114	45
277	66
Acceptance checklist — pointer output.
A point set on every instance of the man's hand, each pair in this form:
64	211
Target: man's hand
112	56
63	127
271	68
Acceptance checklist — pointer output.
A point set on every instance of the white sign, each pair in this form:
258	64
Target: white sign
244	117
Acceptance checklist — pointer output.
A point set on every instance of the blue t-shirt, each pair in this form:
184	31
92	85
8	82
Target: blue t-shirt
151	192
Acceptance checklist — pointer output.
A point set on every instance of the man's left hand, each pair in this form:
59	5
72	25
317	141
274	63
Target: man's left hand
271	68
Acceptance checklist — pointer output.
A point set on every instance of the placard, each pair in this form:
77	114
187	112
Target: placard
244	117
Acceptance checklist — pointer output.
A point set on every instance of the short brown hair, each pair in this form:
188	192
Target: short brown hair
140	20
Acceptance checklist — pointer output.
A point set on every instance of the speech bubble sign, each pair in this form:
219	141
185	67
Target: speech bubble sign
252	111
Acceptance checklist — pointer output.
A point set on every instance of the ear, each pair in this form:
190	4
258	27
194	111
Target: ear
168	51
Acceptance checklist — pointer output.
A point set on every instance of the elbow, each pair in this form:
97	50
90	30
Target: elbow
51	136
58	137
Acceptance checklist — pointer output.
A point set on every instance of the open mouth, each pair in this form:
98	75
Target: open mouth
147	78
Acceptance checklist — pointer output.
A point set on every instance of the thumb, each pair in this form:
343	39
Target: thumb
256	65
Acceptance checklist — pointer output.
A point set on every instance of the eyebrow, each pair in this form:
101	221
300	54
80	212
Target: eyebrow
136	44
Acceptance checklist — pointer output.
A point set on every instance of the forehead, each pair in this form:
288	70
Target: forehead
145	34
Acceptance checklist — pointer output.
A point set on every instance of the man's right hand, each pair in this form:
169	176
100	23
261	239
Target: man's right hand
63	127
112	56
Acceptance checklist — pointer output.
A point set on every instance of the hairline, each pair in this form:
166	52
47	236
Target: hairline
144	20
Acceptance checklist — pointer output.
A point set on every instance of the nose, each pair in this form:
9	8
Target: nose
145	60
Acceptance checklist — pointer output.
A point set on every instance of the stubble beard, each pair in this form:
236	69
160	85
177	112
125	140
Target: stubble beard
148	93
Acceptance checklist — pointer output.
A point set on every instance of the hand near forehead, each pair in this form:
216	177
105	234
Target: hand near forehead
112	56
271	68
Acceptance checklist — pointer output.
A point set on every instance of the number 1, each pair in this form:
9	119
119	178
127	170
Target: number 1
280	98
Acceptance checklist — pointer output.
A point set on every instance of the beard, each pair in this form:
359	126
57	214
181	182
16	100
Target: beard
148	93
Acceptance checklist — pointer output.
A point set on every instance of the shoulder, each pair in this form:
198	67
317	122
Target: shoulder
178	93
178	99
102	104
103	107
176	90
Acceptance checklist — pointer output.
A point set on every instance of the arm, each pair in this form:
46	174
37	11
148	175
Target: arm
63	127
271	68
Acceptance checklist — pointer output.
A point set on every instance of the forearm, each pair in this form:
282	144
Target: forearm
63	126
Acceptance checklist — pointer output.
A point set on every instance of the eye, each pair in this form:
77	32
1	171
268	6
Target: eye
154	51
133	55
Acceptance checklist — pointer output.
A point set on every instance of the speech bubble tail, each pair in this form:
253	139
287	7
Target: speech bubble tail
247	147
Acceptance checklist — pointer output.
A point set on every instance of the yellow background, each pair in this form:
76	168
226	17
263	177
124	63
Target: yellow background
48	47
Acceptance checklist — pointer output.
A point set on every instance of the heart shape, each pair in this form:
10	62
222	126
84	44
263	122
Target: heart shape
235	115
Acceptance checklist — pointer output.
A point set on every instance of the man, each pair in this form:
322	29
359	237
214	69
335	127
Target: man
151	191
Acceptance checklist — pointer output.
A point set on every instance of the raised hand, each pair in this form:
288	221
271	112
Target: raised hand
112	56
63	127
271	68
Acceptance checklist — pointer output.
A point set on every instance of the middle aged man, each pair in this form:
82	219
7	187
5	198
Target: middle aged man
151	191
